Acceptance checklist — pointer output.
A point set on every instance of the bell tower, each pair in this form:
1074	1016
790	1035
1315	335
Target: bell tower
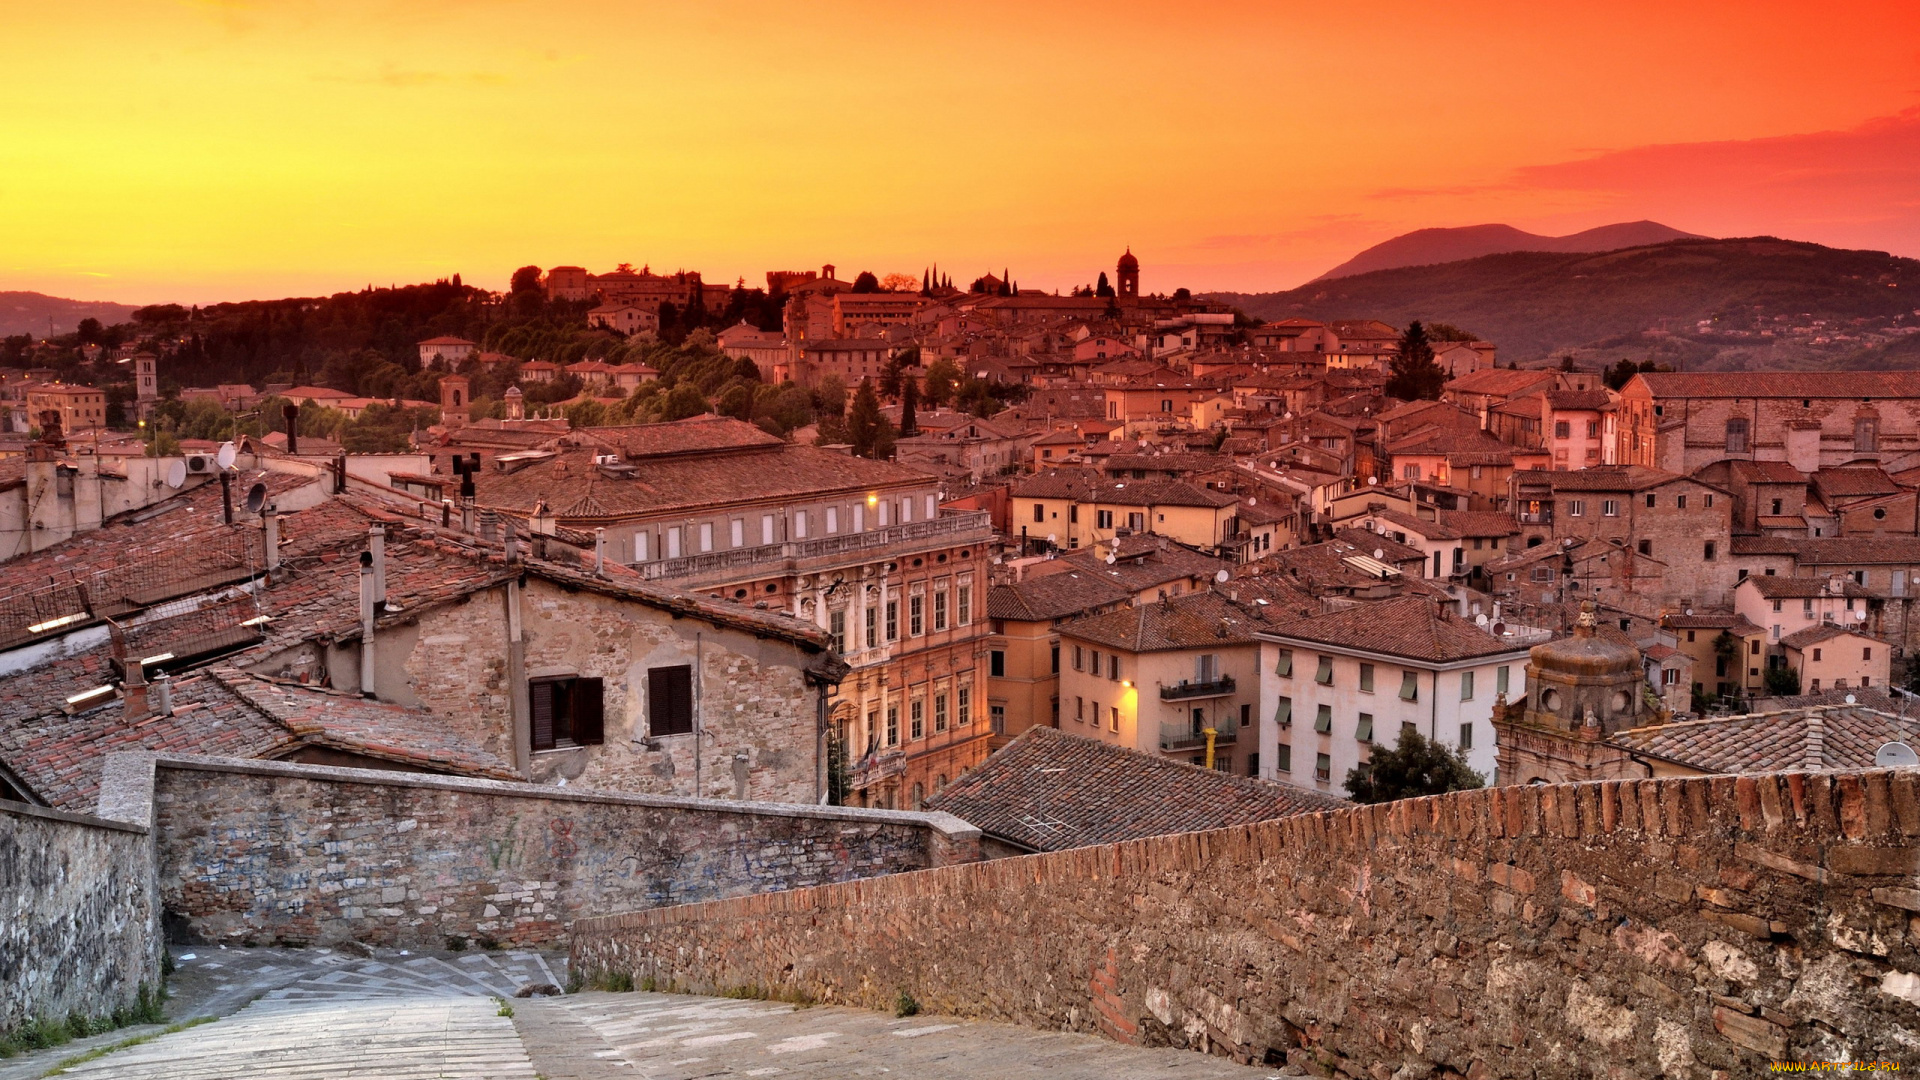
453	400
1127	276
1580	690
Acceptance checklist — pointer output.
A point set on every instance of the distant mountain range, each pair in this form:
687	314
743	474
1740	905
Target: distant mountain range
28	312
1738	304
1426	247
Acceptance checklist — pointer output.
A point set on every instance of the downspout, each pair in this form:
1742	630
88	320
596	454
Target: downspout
366	624
699	728
820	745
518	712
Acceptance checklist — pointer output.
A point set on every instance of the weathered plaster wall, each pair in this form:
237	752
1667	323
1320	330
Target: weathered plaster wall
258	852
1699	927
78	923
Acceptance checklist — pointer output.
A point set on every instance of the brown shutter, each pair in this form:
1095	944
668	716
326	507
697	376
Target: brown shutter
540	698
670	700
589	704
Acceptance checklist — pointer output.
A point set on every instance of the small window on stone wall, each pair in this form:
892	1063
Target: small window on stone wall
670	700
566	712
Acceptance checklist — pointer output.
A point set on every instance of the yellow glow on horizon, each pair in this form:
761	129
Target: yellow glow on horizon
226	149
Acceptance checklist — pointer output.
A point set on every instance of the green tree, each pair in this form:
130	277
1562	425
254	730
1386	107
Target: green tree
891	376
1102	288
865	282
1448	332
1415	766
525	279
909	402
867	427
1413	375
1782	681
682	402
941	379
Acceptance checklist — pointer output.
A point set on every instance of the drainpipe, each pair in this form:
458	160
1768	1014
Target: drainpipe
377	545
699	729
366	624
517	704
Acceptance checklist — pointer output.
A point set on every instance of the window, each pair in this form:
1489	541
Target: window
1410	472
1283	758
1322	767
1679	502
1645	547
1562	429
673	542
1039	512
963	706
1113	667
1323	720
1776	605
706	536
1542	574
1283	664
1324	676
906	509
1466	686
1093	662
833	519
1737	435
893	724
1866	434
1776	508
1593	429
916	615
1103	519
640	547
1364	730
1671	676
933	508
670	700
997	663
568	712
1576	507
1056	659
940	711
766	529
800	524
1366	678
859	517
917	713
837	626
1866	653
1500	678
893	619
1079	708
1283	712
1650	500
1609	508
1466	736
1253	764
940	610
1113	718
1708	551
1079	663
1409	686
873	628
1246	716
737	532
963	611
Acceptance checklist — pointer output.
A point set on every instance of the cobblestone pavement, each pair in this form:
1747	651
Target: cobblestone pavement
312	1014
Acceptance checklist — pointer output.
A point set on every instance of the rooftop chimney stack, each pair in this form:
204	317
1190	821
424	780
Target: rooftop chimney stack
270	528
134	688
162	694
291	413
377	546
513	544
366	624
599	551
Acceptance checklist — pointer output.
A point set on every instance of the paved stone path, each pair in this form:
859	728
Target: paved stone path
313	1014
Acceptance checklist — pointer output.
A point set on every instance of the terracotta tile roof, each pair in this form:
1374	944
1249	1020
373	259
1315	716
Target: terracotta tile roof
1778	587
1055	596
1048	790
1738	625
1766	472
1819	632
698	435
1195	620
1854	482
1580	400
1783	384
1086	485
1600	478
1826	737
1459	447
1413	628
1500	381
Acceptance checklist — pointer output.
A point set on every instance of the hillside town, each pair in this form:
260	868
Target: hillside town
1050	569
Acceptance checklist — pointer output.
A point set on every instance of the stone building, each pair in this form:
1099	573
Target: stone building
1683	421
1580	690
1681	522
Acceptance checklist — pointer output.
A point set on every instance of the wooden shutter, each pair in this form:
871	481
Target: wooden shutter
670	700
589	707
540	701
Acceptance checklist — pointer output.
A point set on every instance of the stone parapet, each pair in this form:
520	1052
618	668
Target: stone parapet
1679	927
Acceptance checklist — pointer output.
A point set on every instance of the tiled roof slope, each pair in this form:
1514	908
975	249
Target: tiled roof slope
1413	627
1194	621
1048	790
1785	384
1824	737
403	734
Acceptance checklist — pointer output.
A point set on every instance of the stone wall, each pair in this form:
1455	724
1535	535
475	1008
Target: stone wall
1685	928
78	925
262	852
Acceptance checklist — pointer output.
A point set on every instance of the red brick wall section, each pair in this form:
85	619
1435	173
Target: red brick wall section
1690	928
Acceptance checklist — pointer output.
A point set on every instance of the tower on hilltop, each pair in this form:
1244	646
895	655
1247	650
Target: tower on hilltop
1127	275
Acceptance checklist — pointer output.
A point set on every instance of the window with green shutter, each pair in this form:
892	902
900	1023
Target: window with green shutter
1364	731
1283	712
1323	720
1466	686
1284	666
1283	758
1409	686
1324	676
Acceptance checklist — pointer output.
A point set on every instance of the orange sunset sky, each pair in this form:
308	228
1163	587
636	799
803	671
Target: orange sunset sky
203	150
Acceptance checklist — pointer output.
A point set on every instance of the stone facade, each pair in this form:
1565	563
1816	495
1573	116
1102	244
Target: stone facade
79	931
261	852
1697	927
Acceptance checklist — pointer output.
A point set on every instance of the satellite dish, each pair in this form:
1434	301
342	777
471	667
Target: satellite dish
1851	699
1480	620
1895	755
1379	553
176	473
1372	480
1860	616
1689	611
226	455
256	497
1110	558
1052	539
1221	577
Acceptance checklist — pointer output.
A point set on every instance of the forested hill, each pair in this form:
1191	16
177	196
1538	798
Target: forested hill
33	313
1753	303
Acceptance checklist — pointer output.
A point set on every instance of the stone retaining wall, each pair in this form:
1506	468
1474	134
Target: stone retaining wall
1685	928
263	852
78	926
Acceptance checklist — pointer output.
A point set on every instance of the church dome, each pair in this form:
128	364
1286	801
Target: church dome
1128	262
1586	653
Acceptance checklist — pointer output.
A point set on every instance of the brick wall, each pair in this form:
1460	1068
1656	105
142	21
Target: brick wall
260	852
1684	927
78	929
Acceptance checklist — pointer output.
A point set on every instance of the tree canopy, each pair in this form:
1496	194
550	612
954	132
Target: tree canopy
1413	375
1415	766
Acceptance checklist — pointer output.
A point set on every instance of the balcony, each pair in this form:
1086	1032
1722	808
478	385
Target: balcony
1187	737
1193	691
794	556
877	767
1535	517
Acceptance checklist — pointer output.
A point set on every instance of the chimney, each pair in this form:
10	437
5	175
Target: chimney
270	529
134	688
377	546
513	544
162	694
366	624
292	414
340	474
600	551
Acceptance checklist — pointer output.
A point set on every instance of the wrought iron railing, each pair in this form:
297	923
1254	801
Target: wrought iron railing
1219	687
955	525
